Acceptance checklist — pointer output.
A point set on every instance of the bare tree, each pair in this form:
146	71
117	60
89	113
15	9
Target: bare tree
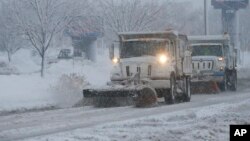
41	20
130	15
185	18
146	15
10	39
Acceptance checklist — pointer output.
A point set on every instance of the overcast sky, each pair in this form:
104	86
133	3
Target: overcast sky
197	3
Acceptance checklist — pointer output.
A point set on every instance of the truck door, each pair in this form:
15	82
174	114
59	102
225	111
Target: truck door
173	50
179	59
186	56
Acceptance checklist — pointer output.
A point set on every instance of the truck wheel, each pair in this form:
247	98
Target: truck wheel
187	93
223	85
234	82
147	97
171	99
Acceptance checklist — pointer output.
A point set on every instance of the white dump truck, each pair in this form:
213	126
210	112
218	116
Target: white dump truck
147	66
214	60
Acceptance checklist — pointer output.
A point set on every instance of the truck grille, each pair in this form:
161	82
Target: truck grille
149	70
145	70
202	65
127	71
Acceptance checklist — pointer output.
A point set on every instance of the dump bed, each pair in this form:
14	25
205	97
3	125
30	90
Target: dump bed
128	36
223	39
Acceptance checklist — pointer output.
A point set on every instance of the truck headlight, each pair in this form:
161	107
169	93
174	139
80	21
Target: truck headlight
115	60
162	58
220	58
221	68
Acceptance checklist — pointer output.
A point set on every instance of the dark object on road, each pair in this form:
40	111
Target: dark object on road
65	54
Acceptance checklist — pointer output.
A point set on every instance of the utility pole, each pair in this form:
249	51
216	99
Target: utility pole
205	17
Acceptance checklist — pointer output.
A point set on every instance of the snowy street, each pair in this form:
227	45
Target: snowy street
124	70
206	114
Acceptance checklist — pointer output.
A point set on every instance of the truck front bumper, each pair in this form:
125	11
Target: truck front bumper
112	92
157	83
206	77
160	84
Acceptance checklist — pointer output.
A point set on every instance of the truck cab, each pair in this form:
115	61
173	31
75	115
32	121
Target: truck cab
214	60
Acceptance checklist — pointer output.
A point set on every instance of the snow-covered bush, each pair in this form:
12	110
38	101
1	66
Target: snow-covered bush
68	90
6	69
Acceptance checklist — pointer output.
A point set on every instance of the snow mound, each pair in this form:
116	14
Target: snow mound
24	62
97	74
7	69
210	123
244	67
61	87
20	92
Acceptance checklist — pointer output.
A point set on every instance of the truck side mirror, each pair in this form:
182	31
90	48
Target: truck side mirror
182	49
112	51
182	52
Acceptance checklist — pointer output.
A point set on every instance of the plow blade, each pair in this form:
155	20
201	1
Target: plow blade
209	87
140	96
88	93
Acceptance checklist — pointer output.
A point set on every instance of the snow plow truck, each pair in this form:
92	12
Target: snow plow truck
147	66
214	62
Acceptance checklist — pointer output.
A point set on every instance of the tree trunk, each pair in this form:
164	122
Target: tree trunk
9	56
42	65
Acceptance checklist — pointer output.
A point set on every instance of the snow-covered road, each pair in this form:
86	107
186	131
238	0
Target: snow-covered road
27	126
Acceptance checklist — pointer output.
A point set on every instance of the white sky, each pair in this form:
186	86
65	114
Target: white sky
198	3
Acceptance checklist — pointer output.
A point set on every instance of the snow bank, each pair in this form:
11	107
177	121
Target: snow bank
24	62
244	68
20	92
245	59
29	91
3	56
95	73
209	123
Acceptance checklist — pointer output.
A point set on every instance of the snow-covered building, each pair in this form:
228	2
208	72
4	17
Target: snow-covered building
87	37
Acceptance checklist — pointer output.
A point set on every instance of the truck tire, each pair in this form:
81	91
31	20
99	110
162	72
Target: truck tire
187	93
234	81
146	98
223	85
171	98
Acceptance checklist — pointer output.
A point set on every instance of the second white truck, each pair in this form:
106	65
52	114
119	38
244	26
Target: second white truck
214	60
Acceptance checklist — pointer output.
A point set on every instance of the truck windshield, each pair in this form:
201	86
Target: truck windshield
142	48
207	50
